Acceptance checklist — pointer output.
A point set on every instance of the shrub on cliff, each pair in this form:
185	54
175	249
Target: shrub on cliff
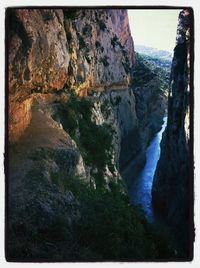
101	24
115	42
66	219
104	60
76	117
148	68
82	44
111	229
87	30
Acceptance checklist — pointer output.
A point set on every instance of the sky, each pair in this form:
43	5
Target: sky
154	28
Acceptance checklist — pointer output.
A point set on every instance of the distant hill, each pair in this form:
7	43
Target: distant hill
154	53
148	68
156	61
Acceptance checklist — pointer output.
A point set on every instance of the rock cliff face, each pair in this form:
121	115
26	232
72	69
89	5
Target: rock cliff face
72	113
87	51
120	22
122	117
51	54
79	49
171	187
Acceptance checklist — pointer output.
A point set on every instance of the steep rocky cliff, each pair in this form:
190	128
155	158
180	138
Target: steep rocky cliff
171	187
54	134
54	52
73	124
72	48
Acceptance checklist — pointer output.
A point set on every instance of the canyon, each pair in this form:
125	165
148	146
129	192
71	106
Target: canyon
82	107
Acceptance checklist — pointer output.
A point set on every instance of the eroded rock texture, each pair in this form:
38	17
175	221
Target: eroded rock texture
171	187
50	49
51	54
72	114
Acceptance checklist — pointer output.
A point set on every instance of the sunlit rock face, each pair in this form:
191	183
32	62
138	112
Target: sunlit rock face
78	49
99	57
120	22
20	116
37	61
50	52
171	188
38	56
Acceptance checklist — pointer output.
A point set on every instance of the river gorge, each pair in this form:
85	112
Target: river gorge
98	138
140	187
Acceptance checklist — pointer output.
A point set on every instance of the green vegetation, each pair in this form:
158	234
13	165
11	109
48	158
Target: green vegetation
106	227
111	229
66	218
126	67
71	13
69	37
118	100
154	53
115	41
99	47
148	68
102	234
104	60
87	30
88	59
98	44
102	25
76	118
47	15
82	44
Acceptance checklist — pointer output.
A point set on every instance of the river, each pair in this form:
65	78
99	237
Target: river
140	187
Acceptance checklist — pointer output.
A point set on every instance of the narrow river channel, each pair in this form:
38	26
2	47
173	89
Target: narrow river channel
140	187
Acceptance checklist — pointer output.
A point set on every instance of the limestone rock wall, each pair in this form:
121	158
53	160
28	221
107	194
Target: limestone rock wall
171	188
120	113
20	116
49	50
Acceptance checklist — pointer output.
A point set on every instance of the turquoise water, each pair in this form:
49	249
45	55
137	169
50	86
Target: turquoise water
140	188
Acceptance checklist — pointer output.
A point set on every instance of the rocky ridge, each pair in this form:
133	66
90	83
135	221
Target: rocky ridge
171	187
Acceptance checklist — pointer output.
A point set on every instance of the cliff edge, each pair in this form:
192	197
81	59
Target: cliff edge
171	192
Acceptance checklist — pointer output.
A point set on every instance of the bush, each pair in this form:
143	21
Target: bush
98	44
69	37
87	30
108	227
126	67
71	13
104	60
101	24
47	15
88	59
97	143
115	41
111	229
82	44
94	141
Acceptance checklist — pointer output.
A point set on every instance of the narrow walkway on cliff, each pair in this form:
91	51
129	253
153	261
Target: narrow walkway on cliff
42	132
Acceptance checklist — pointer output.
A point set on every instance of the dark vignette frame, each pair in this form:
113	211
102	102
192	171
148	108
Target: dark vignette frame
191	127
